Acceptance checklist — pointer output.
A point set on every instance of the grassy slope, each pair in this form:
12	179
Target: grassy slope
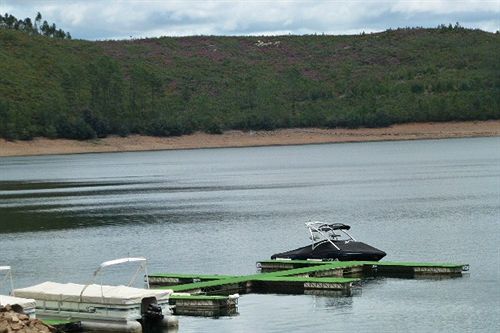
170	86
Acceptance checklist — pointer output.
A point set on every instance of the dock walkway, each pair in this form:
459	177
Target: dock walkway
212	295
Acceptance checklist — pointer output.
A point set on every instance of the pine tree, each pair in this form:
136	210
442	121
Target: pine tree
45	28
38	19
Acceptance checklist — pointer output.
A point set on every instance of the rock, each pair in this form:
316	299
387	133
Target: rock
16	326
12	320
3	326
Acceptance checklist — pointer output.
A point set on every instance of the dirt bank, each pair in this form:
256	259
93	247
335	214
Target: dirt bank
413	131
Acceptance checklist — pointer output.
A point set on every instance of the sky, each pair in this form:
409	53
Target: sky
101	19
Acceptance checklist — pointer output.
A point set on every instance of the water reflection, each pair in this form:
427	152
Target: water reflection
334	303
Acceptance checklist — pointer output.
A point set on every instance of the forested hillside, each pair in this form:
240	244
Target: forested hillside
172	86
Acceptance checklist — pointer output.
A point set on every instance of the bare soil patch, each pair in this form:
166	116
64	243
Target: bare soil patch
296	136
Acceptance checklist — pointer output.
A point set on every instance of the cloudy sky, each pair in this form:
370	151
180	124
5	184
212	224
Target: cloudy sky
94	19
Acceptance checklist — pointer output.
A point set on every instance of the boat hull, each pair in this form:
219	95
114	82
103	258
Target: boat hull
92	311
349	251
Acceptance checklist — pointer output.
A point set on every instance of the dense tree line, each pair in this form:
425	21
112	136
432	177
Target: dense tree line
33	27
174	86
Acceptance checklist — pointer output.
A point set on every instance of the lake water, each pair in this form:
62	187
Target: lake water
221	210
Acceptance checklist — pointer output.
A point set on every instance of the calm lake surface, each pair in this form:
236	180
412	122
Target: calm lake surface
221	210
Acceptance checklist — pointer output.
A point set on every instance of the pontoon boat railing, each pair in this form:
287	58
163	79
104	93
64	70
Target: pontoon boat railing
142	267
8	276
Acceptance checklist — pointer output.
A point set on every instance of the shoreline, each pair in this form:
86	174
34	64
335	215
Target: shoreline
238	139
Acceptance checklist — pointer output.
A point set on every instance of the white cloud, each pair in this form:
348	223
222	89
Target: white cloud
445	6
93	19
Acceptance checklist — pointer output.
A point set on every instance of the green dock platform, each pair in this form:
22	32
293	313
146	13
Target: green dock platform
366	268
66	326
212	295
175	279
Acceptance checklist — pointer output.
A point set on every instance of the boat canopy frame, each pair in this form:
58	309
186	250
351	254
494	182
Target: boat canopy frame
141	267
7	276
322	232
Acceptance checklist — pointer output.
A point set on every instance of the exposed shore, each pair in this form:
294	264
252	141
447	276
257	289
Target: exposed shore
297	136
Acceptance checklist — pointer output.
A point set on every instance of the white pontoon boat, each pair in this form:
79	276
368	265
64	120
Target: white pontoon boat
103	307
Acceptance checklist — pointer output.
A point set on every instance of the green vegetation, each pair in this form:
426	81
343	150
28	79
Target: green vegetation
32	27
169	86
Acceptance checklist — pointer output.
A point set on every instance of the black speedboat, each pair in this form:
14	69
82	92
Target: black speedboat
332	242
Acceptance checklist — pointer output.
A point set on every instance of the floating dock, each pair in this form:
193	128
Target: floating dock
215	295
300	285
204	305
176	279
298	280
366	268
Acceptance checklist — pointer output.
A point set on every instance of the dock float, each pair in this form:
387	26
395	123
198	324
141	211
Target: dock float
297	280
300	285
366	268
217	295
176	279
228	286
204	305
